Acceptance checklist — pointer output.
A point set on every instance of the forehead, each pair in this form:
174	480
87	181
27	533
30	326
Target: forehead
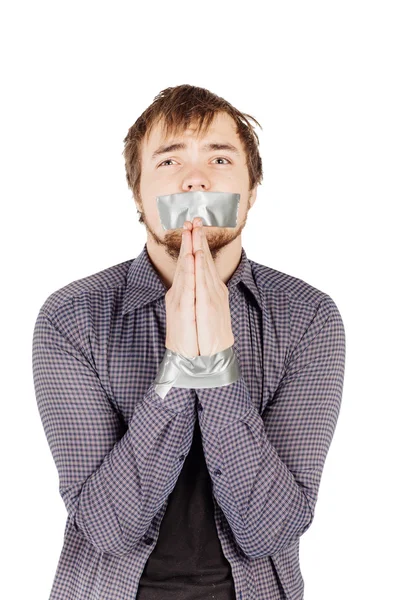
221	127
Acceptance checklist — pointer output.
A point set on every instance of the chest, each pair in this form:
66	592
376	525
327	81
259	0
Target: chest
139	347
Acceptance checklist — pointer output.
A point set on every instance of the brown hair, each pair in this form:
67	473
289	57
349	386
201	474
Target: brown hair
177	108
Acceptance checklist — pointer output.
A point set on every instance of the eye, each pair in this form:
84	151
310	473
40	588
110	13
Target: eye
221	158
167	160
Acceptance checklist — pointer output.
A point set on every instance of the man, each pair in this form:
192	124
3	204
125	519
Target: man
203	493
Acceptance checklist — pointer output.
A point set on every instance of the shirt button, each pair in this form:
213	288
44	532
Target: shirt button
217	472
182	457
148	541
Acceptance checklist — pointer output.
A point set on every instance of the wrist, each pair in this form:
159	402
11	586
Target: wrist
221	368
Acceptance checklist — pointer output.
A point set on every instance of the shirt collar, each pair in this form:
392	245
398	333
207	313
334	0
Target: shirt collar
144	284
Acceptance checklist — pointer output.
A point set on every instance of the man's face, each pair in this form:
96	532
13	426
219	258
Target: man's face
194	169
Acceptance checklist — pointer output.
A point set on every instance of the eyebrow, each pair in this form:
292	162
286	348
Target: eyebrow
206	148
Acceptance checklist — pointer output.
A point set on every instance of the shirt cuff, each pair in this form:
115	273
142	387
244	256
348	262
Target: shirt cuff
221	406
176	400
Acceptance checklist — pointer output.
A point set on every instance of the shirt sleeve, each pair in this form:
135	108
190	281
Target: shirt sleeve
266	469
113	478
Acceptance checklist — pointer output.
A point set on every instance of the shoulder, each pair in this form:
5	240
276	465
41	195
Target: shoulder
104	282
298	295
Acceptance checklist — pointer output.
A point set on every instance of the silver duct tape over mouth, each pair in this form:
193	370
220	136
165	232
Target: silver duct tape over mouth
216	209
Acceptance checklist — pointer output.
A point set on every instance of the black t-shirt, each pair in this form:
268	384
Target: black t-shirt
187	562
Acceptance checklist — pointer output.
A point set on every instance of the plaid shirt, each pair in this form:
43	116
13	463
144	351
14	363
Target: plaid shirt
119	448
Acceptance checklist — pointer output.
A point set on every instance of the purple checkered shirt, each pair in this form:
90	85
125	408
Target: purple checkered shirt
118	447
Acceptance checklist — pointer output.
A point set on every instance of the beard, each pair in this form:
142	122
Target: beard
217	237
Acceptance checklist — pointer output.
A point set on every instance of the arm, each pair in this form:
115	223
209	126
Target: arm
266	469
112	479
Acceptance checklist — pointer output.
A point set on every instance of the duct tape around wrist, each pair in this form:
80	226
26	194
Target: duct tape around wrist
195	372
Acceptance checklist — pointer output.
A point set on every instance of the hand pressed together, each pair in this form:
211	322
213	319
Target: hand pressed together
198	301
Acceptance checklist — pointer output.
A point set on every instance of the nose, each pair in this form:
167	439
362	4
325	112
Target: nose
196	187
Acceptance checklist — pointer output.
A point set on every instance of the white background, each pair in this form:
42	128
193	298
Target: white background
322	78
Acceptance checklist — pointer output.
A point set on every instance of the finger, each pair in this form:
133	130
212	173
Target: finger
187	299
185	263
205	287
210	263
211	274
202	286
195	235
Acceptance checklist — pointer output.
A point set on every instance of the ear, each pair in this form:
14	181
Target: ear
138	206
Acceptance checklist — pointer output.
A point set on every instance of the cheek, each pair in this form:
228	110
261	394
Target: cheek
150	187
154	217
242	208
